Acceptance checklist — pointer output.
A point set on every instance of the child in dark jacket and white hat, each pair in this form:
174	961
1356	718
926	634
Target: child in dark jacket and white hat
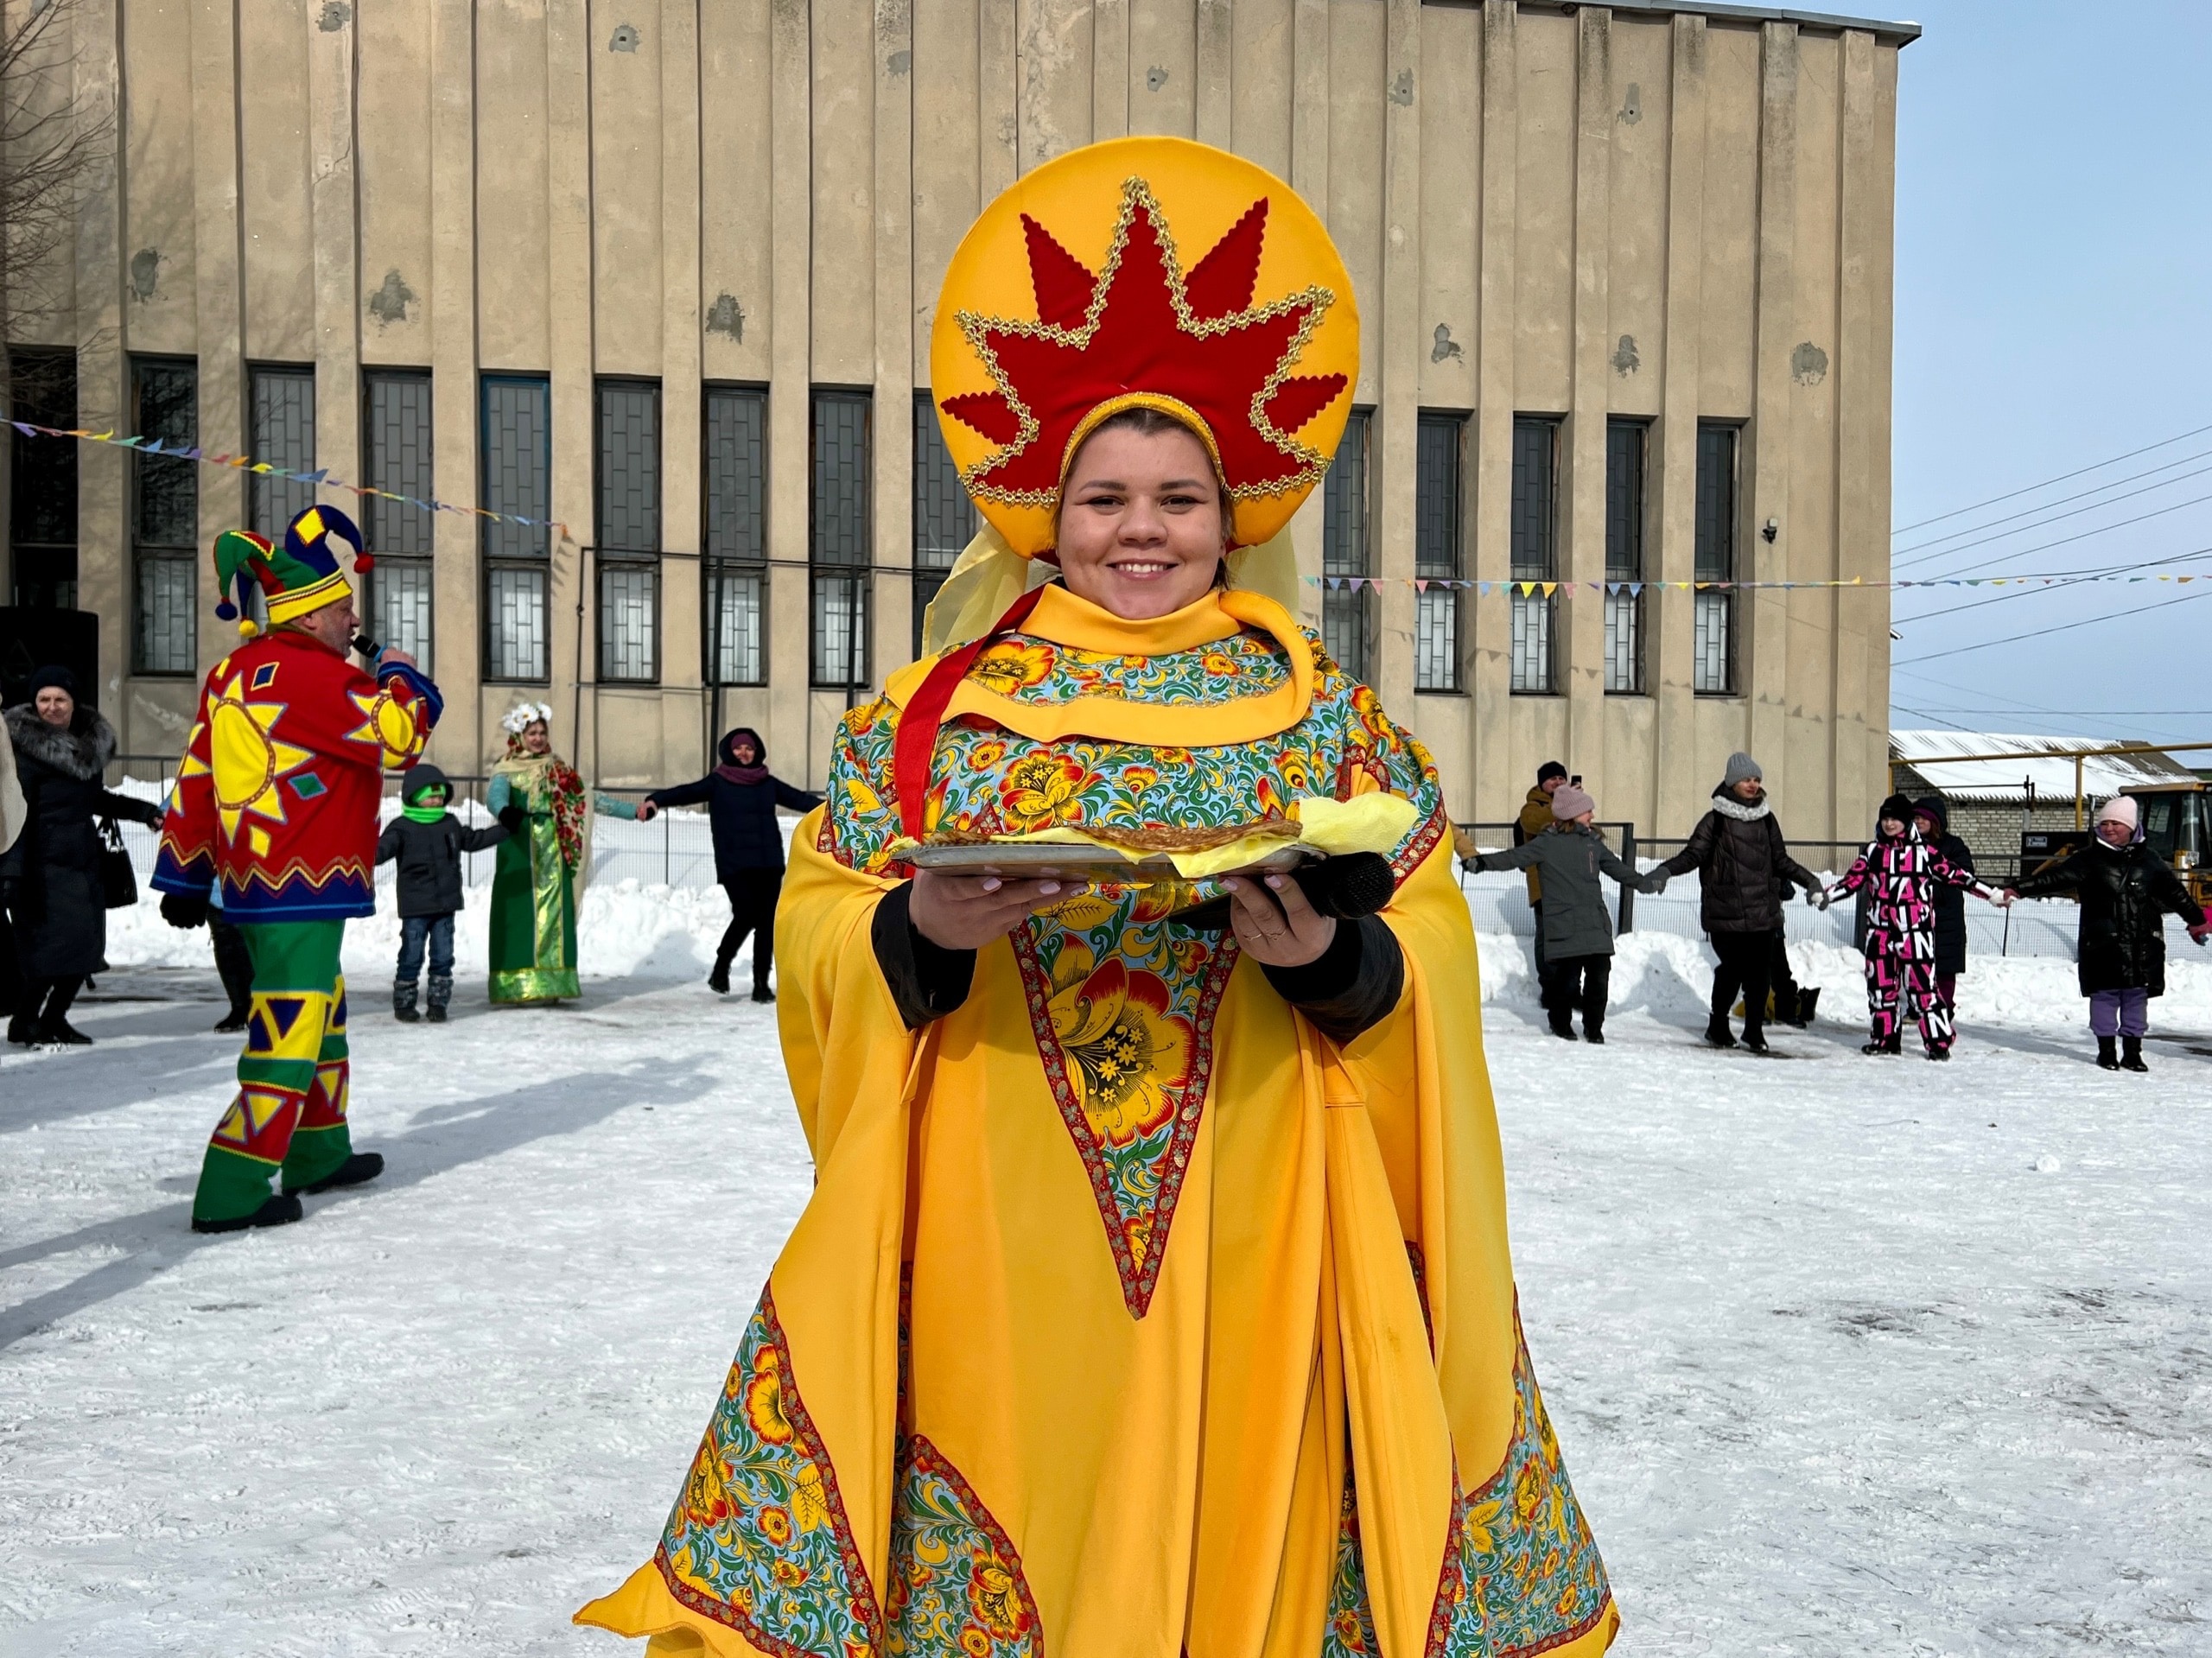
427	842
1578	930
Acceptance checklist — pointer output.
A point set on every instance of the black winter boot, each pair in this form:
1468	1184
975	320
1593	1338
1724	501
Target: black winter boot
277	1212
1893	1043
56	1032
23	1029
2131	1054
232	1022
357	1170
718	980
1808	1000
440	994
1592	1032
1718	1033
2108	1053
404	993
761	993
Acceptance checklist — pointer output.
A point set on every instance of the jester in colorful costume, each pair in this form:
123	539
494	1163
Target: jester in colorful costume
276	798
1154	1298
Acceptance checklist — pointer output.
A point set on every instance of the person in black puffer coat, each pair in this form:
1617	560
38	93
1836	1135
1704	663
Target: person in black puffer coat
1744	867
2126	890
50	878
427	842
741	796
1935	820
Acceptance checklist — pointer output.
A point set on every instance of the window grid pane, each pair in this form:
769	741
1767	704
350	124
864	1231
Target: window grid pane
42	501
838	536
518	465
281	431
629	606
515	621
1624	644
1535	443
629	466
734	522
400	605
734	605
1533	614
1344	530
165	518
1713	649
398	455
1709	643
1436	640
944	518
1625	457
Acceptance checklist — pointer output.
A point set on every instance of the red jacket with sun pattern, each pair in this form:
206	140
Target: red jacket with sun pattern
277	794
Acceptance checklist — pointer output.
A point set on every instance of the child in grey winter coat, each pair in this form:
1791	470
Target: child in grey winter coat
427	842
1578	935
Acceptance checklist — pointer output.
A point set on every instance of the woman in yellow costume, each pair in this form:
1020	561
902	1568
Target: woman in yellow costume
1154	1298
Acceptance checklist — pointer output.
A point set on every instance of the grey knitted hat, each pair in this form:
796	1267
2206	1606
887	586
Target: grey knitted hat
1742	765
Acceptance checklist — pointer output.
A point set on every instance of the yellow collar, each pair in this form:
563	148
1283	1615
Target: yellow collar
1063	619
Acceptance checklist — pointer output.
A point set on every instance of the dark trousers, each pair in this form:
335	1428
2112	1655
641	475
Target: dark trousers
46	1001
1747	967
1577	982
1781	982
1537	910
753	894
233	962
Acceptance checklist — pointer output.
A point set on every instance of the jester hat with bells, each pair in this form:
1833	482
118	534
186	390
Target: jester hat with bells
302	576
1149	273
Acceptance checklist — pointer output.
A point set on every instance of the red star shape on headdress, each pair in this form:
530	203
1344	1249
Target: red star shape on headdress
1140	325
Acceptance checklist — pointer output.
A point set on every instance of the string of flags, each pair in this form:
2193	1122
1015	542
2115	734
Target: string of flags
320	477
1423	583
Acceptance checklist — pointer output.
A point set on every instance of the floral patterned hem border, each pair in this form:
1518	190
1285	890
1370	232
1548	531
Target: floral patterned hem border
1138	1280
1498	1533
1001	1620
781	1400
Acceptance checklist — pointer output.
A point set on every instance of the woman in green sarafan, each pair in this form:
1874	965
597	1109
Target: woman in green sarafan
544	860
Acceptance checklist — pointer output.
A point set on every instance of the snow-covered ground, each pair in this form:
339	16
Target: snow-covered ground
1849	1356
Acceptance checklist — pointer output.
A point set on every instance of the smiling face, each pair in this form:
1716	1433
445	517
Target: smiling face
1892	829
1140	522
2112	832
56	706
742	753
536	738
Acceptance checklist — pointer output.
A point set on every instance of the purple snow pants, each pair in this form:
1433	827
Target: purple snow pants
2119	1013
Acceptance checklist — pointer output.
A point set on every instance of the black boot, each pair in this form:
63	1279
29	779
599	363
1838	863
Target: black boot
54	1031
404	993
718	980
277	1212
2131	1054
2108	1053
23	1029
1592	1032
440	994
1755	1038
1808	1000
761	993
234	1022
1718	1033
1893	1043
357	1170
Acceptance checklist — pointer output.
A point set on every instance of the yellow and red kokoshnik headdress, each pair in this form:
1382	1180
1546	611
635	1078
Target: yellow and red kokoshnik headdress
1144	272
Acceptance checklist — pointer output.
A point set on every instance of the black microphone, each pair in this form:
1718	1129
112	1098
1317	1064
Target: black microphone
1346	887
367	649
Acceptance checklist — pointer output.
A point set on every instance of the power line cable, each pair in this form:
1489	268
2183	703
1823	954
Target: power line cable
2055	518
2029	512
2029	489
2064	541
2062	627
2056	582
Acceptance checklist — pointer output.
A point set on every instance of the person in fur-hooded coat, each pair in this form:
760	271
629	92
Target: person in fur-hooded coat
51	875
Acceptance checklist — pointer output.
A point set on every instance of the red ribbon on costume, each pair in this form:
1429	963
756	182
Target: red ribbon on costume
913	750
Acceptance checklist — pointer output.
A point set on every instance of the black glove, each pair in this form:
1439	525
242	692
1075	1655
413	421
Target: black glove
184	909
512	819
1347	887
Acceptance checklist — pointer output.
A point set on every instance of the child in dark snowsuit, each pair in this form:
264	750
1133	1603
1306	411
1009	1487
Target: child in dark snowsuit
741	795
427	841
1577	933
2126	890
1900	873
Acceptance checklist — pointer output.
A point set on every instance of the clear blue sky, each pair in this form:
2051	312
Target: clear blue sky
2054	310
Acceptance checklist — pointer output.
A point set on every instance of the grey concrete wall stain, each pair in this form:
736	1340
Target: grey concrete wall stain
1402	89
334	15
1809	365
1625	358
1632	106
899	62
1445	348
389	303
145	273
625	38
727	317
1154	78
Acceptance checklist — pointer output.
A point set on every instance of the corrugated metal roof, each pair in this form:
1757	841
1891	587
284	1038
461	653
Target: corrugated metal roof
1899	33
2103	775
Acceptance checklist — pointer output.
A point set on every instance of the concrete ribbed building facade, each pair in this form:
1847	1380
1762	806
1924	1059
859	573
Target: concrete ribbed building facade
663	270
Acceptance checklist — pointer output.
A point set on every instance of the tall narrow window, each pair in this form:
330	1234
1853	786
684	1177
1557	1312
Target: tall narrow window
1535	555
944	518
517	469
164	516
838	538
1438	539
627	540
734	476
1713	644
42	501
1345	611
280	420
1627	443
397	453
